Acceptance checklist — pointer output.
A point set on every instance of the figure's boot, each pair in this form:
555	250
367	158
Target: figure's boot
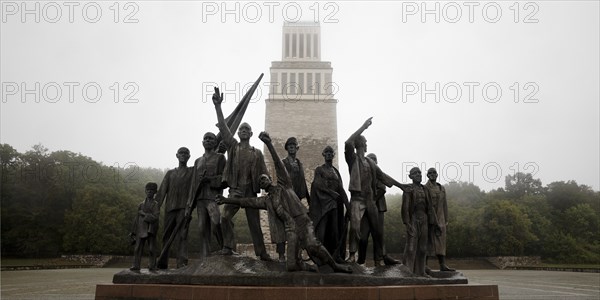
182	254
443	266
362	252
281	252
152	249
351	257
152	262
322	254
163	261
265	257
390	261
427	268
225	251
136	263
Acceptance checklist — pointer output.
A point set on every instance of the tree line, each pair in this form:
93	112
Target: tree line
63	202
559	221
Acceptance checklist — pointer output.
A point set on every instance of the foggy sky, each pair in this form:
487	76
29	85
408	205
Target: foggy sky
168	61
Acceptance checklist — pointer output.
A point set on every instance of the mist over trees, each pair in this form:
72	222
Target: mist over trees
62	202
559	222
65	202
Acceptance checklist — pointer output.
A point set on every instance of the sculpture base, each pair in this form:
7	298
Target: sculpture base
199	292
240	277
247	271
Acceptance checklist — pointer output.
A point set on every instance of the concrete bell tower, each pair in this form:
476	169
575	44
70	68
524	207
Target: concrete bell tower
301	100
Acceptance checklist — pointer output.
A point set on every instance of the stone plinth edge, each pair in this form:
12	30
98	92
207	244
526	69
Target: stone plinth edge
200	292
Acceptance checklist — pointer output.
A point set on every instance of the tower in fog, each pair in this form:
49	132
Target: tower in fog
301	99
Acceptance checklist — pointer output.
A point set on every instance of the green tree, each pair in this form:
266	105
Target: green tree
540	214
97	221
577	239
521	184
564	248
464	202
9	159
31	203
47	195
395	231
582	222
504	229
562	195
463	193
462	229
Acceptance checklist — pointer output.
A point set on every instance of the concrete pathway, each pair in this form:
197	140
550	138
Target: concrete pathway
542	285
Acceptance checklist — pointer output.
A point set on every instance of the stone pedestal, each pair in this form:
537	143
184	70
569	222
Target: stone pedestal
239	277
196	292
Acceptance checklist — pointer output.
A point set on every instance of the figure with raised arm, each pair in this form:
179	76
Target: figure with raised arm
241	174
296	171
364	175
283	202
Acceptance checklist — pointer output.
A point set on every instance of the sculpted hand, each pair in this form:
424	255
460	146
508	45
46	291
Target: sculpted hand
219	199
132	239
217	97
204	178
264	136
410	230
368	123
406	188
438	230
222	148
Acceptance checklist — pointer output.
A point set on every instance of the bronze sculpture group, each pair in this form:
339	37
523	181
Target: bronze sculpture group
321	229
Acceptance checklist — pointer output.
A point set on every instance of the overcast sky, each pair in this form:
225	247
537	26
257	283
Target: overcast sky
518	83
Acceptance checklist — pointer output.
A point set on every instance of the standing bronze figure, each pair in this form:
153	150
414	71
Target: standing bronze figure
206	185
145	228
417	216
174	192
327	206
437	232
365	228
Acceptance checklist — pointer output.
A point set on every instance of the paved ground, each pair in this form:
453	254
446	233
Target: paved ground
543	285
53	284
81	283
